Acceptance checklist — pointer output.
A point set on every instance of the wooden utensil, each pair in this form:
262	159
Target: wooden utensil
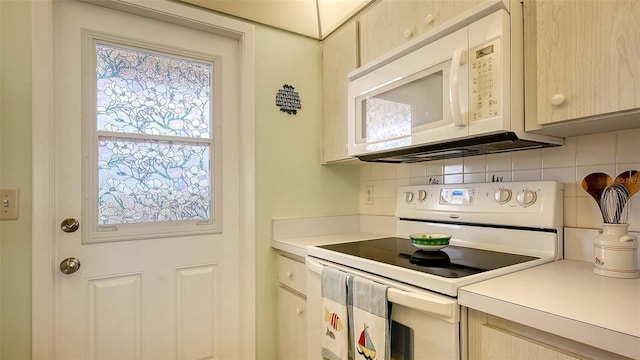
630	179
633	185
595	183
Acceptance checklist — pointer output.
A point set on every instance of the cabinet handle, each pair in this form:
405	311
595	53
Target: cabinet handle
289	275
429	19
408	33
298	311
557	99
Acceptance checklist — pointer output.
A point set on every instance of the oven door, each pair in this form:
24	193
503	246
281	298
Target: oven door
424	325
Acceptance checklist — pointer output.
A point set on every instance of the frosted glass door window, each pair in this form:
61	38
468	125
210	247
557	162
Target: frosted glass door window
154	136
149	181
396	113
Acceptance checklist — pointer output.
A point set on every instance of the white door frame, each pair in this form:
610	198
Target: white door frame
43	162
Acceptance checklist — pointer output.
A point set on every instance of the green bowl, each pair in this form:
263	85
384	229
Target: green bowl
430	240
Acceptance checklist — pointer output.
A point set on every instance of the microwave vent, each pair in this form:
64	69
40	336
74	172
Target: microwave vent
481	145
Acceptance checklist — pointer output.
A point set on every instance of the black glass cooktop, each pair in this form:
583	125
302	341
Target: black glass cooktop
451	261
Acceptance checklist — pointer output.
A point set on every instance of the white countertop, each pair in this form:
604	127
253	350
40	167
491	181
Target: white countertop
298	246
293	235
567	299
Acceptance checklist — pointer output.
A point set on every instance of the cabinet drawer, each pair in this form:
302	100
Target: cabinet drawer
292	274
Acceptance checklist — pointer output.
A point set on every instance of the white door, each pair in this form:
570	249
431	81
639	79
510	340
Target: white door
175	293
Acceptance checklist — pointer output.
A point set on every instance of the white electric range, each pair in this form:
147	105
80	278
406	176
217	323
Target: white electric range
496	228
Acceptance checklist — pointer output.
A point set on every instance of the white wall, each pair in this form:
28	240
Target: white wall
611	153
15	172
290	182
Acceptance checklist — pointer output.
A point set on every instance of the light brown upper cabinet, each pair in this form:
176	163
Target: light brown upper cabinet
391	23
582	65
339	54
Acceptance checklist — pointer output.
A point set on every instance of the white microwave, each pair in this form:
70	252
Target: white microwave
457	91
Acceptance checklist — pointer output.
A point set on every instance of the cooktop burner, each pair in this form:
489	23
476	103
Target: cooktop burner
450	262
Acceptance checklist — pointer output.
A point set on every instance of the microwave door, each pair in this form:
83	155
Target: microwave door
407	110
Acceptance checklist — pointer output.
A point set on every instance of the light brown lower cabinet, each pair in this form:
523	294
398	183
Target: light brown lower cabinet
292	308
292	319
494	338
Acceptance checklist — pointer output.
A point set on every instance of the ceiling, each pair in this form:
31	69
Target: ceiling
313	18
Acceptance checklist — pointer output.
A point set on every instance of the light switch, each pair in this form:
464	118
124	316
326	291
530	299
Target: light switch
8	204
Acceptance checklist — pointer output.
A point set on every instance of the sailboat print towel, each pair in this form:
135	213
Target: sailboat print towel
368	319
334	333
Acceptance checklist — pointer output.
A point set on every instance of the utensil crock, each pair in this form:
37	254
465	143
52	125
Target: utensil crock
616	252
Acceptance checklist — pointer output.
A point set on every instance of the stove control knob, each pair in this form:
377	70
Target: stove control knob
408	197
502	195
422	195
526	197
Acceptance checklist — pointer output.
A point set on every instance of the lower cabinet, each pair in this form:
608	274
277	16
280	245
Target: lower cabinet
292	308
292	315
492	337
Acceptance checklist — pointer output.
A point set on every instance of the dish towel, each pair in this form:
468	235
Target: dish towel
334	333
368	319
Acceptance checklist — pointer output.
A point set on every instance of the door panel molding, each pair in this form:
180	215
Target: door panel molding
43	165
125	291
197	311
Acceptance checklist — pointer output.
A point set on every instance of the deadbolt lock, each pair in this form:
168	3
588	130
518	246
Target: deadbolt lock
69	225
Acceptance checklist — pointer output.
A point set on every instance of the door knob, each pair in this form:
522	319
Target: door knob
69	225
69	265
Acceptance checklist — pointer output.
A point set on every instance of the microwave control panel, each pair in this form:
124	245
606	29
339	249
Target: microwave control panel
485	70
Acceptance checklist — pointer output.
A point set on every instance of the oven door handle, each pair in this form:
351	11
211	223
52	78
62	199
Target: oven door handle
442	308
422	302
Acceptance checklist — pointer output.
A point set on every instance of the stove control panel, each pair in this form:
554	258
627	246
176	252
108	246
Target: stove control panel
515	202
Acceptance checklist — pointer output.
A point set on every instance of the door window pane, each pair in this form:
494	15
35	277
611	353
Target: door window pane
154	139
140	92
149	181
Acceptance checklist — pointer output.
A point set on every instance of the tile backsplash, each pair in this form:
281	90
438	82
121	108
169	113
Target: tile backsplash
610	153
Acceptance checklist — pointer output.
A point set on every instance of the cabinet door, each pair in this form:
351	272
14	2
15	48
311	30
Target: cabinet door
492	337
497	344
586	56
391	23
292	312
339	53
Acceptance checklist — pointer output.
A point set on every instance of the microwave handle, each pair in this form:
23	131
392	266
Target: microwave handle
454	93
